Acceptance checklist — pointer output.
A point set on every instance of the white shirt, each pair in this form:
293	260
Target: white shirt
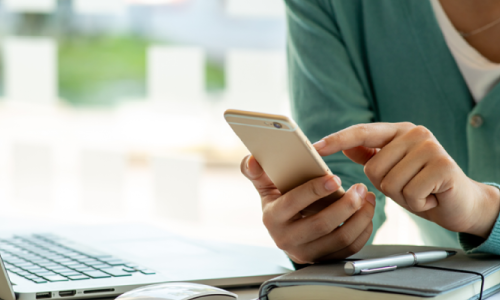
480	74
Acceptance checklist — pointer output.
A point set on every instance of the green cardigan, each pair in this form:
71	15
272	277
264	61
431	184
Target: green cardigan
355	61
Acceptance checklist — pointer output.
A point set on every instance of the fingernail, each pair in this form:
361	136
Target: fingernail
370	197
337	180
361	190
319	144
331	184
247	162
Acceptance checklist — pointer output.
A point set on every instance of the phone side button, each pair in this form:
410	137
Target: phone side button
309	144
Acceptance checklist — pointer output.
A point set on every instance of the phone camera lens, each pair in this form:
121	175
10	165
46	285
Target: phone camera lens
277	125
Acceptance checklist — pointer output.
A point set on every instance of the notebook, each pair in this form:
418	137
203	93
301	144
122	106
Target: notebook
329	281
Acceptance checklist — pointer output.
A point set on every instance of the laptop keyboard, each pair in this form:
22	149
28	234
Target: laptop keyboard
44	258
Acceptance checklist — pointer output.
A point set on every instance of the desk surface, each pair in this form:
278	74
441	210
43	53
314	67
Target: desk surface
243	293
246	294
252	293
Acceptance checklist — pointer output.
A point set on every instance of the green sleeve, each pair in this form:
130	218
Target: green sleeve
474	244
329	85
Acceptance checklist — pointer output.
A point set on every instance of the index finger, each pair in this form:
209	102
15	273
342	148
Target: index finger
253	171
372	135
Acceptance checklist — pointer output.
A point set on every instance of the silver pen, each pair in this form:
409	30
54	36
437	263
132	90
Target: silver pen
390	263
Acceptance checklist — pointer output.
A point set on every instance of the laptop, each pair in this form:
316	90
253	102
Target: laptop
106	261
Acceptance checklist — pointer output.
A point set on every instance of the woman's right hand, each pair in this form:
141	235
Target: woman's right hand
320	236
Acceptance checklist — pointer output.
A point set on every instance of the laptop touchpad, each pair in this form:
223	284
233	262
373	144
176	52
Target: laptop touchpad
158	248
188	260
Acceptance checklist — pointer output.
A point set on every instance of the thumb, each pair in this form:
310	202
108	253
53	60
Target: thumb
360	155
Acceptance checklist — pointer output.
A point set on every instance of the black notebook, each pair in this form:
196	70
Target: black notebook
329	281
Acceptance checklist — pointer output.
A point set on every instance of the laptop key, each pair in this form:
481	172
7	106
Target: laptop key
55	278
77	265
13	269
117	272
33	269
58	271
130	270
63	259
23	273
115	262
69	273
102	266
82	249
96	274
39	280
48	273
49	265
88	269
25	264
81	267
147	272
78	277
88	260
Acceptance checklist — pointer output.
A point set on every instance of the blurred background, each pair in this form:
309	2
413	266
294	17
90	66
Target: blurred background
111	111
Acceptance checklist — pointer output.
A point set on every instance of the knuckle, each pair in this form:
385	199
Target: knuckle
422	130
384	187
354	248
357	245
408	194
283	243
421	133
285	198
243	165
320	225
267	219
305	257
370	170
343	238
407	125
363	129
430	146
415	205
315	189
445	163
388	189
338	137
369	229
368	212
353	203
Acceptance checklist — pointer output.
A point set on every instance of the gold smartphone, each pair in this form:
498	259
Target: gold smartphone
280	147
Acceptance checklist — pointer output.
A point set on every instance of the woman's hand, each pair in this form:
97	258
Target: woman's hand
407	164
317	237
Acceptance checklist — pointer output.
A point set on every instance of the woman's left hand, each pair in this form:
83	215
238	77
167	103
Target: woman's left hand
408	165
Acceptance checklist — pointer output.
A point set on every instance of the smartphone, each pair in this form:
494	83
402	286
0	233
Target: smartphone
280	147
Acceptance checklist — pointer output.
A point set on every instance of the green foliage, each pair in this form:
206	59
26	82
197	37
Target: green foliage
105	70
101	70
215	78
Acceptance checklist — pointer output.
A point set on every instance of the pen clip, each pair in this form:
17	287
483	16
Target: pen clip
377	270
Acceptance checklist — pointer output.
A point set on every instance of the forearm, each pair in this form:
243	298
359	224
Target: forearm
485	237
487	209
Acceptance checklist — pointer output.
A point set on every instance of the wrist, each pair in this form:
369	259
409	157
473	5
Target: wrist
487	210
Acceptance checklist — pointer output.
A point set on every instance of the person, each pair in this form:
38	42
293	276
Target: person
404	99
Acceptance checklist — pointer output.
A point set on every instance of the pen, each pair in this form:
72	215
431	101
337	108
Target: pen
390	263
